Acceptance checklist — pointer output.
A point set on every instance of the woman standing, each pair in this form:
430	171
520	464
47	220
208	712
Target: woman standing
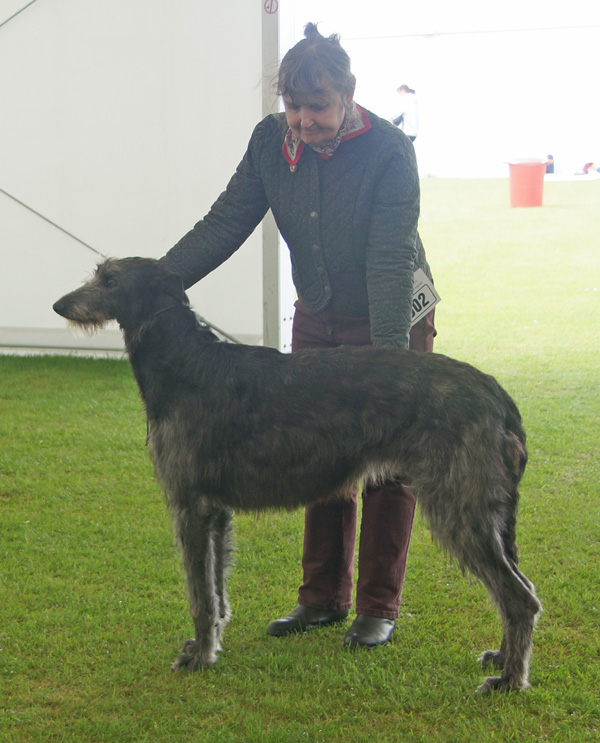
343	187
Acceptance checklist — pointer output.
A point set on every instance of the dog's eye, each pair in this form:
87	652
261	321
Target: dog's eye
109	281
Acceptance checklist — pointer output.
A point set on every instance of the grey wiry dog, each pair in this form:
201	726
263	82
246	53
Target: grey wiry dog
239	427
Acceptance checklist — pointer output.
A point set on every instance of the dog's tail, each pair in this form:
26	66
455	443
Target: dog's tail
515	461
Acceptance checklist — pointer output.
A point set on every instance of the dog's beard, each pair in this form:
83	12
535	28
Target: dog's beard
89	326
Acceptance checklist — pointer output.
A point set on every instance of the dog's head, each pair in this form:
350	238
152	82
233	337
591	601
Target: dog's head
128	290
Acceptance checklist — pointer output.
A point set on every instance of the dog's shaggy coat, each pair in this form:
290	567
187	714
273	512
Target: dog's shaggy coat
239	427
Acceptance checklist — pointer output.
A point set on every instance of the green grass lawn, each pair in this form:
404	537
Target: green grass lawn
92	603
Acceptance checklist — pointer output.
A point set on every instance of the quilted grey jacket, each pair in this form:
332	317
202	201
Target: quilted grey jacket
350	223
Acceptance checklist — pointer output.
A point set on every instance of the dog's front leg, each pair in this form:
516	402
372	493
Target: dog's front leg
194	527
222	549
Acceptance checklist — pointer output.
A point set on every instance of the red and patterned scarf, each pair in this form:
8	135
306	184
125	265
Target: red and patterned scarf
355	122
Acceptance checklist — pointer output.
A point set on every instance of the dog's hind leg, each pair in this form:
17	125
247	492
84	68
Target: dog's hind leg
476	541
518	607
496	658
195	530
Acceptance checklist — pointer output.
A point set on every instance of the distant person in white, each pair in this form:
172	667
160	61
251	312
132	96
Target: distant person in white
407	117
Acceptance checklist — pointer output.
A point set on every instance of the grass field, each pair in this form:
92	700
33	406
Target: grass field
92	604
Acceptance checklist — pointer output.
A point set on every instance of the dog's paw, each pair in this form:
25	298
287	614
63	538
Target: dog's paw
192	658
493	658
499	684
491	683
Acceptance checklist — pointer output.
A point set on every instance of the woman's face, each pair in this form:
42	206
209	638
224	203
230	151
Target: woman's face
316	117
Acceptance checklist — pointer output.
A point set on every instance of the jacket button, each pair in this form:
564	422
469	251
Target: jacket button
314	215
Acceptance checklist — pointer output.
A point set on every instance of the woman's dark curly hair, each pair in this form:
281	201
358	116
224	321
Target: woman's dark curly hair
313	63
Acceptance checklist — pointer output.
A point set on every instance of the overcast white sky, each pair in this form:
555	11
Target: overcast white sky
361	18
494	81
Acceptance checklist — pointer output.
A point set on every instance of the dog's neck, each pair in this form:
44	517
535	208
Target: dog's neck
173	306
155	348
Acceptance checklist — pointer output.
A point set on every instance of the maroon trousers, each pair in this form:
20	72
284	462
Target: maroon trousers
387	510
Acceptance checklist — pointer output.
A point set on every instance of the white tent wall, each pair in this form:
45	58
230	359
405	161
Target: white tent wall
121	123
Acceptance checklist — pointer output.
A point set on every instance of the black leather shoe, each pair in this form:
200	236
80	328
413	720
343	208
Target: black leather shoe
303	618
367	632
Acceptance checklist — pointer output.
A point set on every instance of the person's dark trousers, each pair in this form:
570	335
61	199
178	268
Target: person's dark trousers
387	511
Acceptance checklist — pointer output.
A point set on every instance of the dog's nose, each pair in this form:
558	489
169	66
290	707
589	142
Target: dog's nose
60	307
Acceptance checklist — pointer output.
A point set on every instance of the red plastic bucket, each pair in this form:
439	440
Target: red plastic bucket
526	181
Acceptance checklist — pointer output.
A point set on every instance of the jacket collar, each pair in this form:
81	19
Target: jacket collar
356	122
